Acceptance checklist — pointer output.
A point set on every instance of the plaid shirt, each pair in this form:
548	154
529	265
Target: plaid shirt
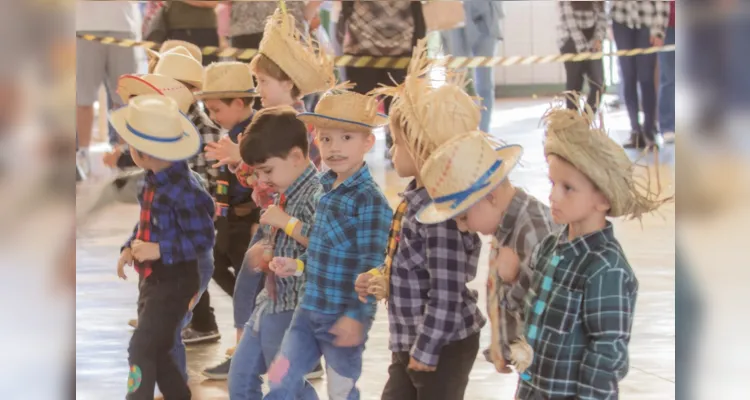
301	203
430	305
581	345
641	14
573	22
210	133
181	214
348	238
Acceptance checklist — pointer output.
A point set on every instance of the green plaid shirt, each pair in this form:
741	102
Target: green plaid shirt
581	348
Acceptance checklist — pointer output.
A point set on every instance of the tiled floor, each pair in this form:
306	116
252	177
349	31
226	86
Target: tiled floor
104	303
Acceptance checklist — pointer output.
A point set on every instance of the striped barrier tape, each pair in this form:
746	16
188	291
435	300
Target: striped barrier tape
402	62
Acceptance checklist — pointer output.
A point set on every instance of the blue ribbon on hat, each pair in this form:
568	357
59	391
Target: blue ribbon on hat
144	135
481	183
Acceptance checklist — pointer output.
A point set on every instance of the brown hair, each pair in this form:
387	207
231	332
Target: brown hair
246	101
274	132
588	5
264	65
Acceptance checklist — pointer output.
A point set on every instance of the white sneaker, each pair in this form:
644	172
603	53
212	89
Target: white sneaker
83	161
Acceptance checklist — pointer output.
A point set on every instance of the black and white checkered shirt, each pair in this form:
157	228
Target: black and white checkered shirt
573	22
429	304
641	14
209	133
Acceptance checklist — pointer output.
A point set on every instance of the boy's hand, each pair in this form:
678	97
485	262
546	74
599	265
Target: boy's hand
255	256
145	251
110	159
225	151
283	267
508	264
274	216
349	332
126	258
415	365
596	46
362	286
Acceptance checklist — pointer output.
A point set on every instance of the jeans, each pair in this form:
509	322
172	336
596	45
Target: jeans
249	283
205	270
577	73
254	354
457	44
666	85
306	340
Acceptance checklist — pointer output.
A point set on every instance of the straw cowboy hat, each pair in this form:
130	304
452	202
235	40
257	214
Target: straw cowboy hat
461	172
154	125
153	56
227	80
179	64
302	59
135	85
572	135
347	111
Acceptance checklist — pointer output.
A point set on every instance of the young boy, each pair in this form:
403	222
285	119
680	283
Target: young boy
176	226
348	237
275	145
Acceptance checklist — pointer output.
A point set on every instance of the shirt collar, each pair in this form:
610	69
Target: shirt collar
329	178
301	180
515	208
167	175
299	106
239	128
586	243
415	196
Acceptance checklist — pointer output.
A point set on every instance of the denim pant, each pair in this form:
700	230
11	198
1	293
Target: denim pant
254	355
205	270
666	85
306	340
249	283
457	44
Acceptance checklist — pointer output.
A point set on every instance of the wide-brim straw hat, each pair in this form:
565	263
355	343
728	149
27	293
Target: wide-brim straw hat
227	80
573	136
462	172
153	56
347	111
137	85
153	124
308	66
179	64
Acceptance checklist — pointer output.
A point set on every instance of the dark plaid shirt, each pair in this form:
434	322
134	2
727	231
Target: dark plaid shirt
210	133
573	23
429	304
651	14
181	214
348	238
581	346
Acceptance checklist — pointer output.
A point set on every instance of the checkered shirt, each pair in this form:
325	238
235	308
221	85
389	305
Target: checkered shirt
573	22
642	14
429	304
181	214
580	335
301	203
210	133
348	237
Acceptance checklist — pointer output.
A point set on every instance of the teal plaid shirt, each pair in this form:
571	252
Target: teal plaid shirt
581	345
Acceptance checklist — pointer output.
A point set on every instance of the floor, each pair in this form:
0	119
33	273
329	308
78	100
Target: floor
105	303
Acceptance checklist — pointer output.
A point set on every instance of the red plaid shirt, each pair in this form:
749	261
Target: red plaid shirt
144	228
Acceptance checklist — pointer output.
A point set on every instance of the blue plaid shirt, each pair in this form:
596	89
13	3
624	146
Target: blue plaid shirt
349	237
181	214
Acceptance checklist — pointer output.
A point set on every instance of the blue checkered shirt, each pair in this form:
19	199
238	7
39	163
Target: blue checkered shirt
583	330
349	237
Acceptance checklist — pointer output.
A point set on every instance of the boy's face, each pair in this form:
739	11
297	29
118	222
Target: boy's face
344	151
483	217
226	115
280	173
140	159
573	197
402	159
273	92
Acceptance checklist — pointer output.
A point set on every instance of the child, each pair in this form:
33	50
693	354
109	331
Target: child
433	317
275	145
176	226
347	238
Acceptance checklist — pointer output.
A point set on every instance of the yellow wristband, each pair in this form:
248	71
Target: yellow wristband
300	268
375	272
290	226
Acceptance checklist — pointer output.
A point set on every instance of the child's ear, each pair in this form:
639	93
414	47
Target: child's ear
602	203
370	141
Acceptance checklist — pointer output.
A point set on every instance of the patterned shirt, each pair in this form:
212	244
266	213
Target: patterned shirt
641	14
210	133
377	28
301	203
430	305
181	214
581	348
574	22
348	238
249	17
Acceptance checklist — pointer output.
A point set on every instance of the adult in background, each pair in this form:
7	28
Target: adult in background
478	38
666	81
195	22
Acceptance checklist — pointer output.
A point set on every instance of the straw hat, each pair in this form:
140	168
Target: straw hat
572	135
345	110
298	55
461	172
153	56
136	85
227	80
154	125
179	64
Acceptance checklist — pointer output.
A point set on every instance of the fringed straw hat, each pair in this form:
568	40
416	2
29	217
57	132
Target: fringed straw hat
345	110
179	64
298	55
135	85
573	136
227	80
461	172
153	56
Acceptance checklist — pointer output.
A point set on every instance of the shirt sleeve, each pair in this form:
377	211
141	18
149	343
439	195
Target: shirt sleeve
661	19
608	303
528	255
127	243
602	24
570	25
194	225
450	264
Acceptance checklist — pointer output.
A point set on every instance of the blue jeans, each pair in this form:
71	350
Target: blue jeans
254	355
457	43
666	85
205	270
246	289
305	341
